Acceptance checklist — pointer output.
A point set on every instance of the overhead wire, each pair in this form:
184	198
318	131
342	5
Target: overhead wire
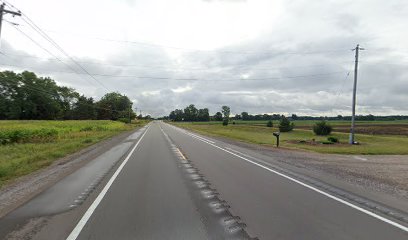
57	46
283	52
186	79
32	24
46	50
176	68
37	29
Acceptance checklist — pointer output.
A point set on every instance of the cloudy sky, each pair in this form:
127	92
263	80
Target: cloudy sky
261	56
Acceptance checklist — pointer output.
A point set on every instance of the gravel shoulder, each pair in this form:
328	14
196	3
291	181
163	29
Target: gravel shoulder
19	191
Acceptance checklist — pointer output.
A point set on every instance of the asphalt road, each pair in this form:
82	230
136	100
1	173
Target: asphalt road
172	184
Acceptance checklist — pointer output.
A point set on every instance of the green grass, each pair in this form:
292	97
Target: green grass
308	122
253	133
36	150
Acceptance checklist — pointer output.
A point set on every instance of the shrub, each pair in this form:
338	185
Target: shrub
285	125
124	120
86	129
269	123
27	135
322	128
225	122
333	139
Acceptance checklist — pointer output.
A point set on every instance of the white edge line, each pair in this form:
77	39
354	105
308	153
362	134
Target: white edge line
78	228
316	190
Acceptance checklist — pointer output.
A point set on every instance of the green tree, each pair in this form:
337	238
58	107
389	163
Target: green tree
245	116
269	123
179	115
226	112
27	96
203	115
84	108
218	116
322	128
285	125
113	106
190	113
172	115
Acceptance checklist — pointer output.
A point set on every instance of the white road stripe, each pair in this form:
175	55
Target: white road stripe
395	224
78	228
360	158
199	137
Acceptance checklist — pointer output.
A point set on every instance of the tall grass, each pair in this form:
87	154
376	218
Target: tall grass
26	146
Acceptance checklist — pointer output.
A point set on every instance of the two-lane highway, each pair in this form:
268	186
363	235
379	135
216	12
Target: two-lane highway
173	184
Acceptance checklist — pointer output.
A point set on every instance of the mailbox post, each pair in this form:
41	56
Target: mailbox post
276	134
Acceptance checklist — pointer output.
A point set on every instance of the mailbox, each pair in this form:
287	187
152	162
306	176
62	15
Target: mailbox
276	134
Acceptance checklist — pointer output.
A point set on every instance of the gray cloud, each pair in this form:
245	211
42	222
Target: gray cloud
305	62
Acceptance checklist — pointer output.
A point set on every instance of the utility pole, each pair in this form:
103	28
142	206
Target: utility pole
353	116
3	11
130	120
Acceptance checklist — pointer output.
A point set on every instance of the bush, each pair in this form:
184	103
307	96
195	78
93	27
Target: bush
333	139
86	129
124	120
269	123
27	135
322	128
225	122
285	125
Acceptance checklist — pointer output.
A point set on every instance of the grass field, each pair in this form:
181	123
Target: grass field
26	146
302	136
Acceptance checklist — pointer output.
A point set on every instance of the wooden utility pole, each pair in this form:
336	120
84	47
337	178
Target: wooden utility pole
3	11
353	116
130	108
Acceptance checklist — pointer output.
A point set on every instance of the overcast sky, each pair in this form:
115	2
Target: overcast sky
272	56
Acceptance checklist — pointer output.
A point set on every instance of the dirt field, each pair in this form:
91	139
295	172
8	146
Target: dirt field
372	129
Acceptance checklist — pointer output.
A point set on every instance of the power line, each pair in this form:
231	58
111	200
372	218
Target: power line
36	28
176	68
57	46
186	79
283	52
46	50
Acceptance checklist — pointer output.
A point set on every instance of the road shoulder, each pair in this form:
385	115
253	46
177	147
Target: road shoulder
21	190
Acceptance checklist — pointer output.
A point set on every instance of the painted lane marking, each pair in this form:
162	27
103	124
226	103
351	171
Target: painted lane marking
181	154
199	137
191	134
173	147
395	224
360	158
78	228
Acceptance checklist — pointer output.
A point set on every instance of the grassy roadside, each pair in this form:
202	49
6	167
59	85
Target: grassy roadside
27	146
301	138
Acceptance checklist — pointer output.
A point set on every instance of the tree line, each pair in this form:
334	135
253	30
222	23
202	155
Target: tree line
25	96
192	114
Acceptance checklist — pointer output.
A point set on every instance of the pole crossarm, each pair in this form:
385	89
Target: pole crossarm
4	11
